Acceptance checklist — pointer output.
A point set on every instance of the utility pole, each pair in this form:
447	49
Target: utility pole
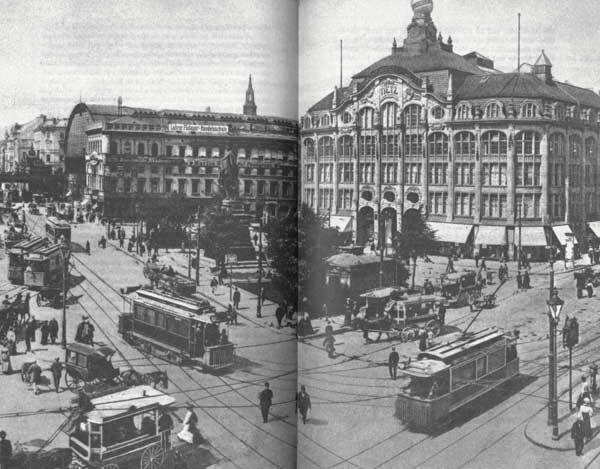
198	249
65	273
260	254
551	348
380	205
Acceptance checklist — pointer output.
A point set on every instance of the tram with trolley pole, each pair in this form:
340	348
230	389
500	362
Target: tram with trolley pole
17	257
55	229
177	329
448	377
45	267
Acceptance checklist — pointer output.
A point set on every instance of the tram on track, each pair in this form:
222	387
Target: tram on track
17	257
45	267
446	378
179	330
56	228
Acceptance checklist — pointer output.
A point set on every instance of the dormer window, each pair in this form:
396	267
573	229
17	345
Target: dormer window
325	121
559	112
528	110
493	111
437	112
463	112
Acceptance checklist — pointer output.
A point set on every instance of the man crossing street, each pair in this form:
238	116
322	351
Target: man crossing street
265	399
237	296
56	370
393	360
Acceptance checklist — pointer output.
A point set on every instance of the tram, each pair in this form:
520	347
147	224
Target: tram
45	267
177	329
448	377
56	228
16	257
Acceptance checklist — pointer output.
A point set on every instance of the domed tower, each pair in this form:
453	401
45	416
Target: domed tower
250	105
422	33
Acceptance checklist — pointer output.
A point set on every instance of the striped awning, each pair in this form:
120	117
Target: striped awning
491	235
563	233
531	236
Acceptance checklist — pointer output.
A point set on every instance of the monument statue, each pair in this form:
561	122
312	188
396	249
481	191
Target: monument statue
229	176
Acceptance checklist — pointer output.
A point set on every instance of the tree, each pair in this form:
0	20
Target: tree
415	239
298	245
219	232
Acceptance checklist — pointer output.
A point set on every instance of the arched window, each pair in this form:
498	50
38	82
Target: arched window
574	147
590	149
366	118
437	112
325	121
347	118
345	146
309	148
127	148
463	112
493	111
493	143
528	110
557	146
559	112
464	144
315	121
114	147
438	144
389	112
527	144
325	147
155	149
141	149
306	122
412	116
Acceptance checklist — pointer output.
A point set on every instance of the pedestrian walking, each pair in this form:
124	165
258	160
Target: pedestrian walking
393	360
348	312
423	341
189	431
44	330
578	435
324	311
450	267
303	403
53	330
29	333
229	314
428	287
263	295
590	288
5	451
476	257
526	280
586	413
11	338
265	398
280	314
442	313
237	296
213	285
56	370
519	280
584	392
121	242
35	377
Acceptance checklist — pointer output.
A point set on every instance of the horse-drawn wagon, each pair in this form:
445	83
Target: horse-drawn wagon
460	288
165	278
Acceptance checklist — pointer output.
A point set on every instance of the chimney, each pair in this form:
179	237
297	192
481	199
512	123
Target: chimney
207	109
120	106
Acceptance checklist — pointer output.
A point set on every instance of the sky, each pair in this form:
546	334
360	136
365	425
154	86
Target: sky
175	54
567	30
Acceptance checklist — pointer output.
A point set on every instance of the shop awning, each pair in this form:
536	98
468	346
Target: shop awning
531	236
491	235
563	232
595	227
343	224
451	232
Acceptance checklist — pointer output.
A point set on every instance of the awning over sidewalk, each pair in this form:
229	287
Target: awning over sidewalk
491	235
450	232
595	227
563	232
343	224
531	236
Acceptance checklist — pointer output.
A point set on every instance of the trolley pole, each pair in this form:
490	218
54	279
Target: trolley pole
198	249
260	255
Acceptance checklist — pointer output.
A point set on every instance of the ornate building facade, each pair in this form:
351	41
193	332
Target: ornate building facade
134	156
494	160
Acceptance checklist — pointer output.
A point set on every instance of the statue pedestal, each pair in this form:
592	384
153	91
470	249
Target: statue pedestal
243	247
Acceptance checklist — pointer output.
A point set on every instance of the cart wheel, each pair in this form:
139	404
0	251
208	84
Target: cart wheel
111	465
152	457
434	326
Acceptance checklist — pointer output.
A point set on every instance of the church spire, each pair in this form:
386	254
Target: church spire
250	105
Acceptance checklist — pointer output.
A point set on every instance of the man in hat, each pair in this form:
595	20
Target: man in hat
265	399
53	330
237	296
393	360
303	402
56	370
165	425
5	450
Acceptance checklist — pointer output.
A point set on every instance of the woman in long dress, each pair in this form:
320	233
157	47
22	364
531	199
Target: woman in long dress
189	431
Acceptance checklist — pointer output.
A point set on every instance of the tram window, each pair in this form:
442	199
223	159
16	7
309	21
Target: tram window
511	352
159	319
147	316
72	357
82	361
463	375
184	328
170	324
411	311
496	359
481	367
137	312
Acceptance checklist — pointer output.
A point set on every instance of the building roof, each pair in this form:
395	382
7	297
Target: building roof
543	60
327	102
524	85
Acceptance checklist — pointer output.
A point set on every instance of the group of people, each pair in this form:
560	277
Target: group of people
581	430
523	280
584	281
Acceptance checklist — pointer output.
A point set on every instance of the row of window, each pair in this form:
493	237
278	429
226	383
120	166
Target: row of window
208	170
412	115
493	143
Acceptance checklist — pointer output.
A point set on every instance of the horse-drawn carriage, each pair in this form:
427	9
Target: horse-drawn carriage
165	278
390	311
460	288
87	365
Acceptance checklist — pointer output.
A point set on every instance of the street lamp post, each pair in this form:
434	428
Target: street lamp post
259	210
65	254
555	305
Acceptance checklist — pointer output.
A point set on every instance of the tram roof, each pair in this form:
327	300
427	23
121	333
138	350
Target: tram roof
128	401
424	368
178	306
42	254
462	345
27	244
59	223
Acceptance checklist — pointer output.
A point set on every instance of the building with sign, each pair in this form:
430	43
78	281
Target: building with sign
494	160
135	159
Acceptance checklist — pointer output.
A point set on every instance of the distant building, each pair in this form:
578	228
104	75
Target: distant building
492	159
49	143
138	159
